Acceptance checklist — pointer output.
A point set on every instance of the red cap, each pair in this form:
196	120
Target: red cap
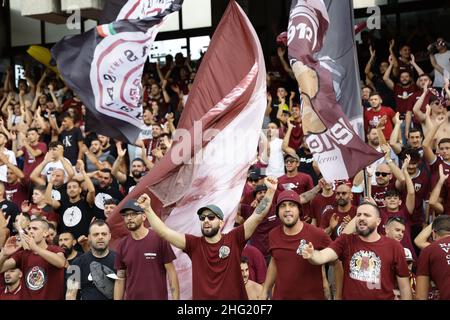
288	195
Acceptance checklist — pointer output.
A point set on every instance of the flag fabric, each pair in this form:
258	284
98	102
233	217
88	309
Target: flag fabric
216	139
325	73
104	65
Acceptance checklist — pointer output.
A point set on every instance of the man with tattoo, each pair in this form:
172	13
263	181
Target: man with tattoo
143	260
216	257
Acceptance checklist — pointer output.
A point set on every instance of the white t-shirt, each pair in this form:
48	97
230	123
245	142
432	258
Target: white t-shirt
3	167
49	167
442	59
275	165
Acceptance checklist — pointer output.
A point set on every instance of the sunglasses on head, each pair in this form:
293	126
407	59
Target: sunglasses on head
210	217
383	174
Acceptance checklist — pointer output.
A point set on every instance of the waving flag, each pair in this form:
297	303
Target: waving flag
104	65
216	139
336	147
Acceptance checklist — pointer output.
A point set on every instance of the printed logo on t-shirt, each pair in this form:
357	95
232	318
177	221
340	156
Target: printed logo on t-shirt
289	186
131	189
56	195
224	252
365	266
417	186
10	193
327	207
72	216
35	278
303	244
149	255
100	200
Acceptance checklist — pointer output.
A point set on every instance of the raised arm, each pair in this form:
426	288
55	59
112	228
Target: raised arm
175	238
410	202
421	241
369	64
396	171
262	209
417	107
387	75
281	51
90	197
394	141
428	153
55	259
415	65
435	202
121	177
307	196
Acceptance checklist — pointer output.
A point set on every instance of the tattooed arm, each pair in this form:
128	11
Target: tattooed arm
173	281
307	196
262	209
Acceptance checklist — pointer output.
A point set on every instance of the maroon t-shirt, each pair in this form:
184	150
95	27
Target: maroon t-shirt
325	222
216	268
297	279
434	168
370	268
42	280
256	263
13	295
30	162
16	193
422	188
378	192
445	194
416	96
404	214
296	138
321	204
144	262
260	238
434	262
403	97
247	194
45	212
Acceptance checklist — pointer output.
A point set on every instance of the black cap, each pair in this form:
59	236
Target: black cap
131	205
258	188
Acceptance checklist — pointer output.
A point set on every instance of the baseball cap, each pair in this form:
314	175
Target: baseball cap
213	208
293	156
258	188
288	195
131	205
254	174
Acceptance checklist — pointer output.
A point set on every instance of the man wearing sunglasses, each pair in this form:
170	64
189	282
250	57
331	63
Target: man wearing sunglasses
143	260
216	272
387	175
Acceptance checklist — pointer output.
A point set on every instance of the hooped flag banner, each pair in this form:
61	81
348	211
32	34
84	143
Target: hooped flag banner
324	77
216	139
104	65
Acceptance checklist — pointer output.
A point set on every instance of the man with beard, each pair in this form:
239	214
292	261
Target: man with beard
323	202
215	257
137	171
96	267
33	151
16	188
95	155
251	287
333	221
404	89
107	148
75	212
67	242
371	261
294	127
420	99
13	285
105	188
294	278
433	159
378	115
414	139
144	261
43	264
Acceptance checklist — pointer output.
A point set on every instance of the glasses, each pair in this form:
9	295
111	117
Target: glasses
130	214
210	217
383	174
290	161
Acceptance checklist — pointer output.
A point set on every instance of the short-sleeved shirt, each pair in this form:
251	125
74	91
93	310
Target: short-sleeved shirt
51	166
372	118
256	263
370	268
75	217
70	139
103	194
3	168
216	268
42	280
403	97
378	192
321	204
144	262
17	294
17	192
30	162
422	188
296	278
87	262
434	262
299	183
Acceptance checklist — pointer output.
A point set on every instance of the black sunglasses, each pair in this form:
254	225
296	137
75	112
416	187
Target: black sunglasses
383	174
210	217
398	219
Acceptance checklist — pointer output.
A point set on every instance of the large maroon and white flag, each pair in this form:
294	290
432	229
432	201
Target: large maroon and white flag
336	147
216	139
